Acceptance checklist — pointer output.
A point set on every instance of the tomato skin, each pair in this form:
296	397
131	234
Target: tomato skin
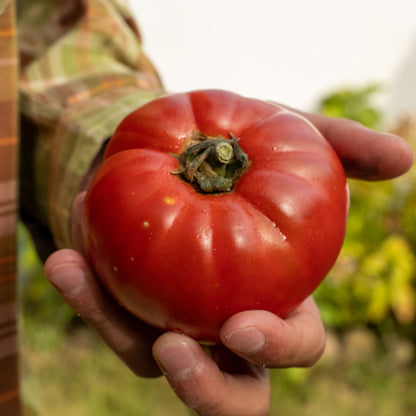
186	261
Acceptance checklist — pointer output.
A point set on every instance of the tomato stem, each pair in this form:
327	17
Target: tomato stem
212	165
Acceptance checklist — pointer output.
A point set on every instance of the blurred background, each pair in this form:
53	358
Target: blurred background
354	59
292	52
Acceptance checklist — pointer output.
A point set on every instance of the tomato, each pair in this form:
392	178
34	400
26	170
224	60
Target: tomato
184	240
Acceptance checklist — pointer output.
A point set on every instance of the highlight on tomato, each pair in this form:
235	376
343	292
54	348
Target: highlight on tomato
209	203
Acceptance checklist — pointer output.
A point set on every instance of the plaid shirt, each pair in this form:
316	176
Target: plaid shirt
82	70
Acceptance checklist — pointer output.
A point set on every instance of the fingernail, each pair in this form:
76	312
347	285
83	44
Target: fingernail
177	361
245	340
67	279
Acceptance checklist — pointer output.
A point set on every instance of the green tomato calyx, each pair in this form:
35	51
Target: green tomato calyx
212	165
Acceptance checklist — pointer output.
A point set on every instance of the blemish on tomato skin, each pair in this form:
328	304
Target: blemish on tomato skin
146	224
168	200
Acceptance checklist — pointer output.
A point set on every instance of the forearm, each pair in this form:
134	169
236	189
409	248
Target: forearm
74	90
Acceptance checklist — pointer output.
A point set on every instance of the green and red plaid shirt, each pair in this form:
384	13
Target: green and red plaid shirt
82	70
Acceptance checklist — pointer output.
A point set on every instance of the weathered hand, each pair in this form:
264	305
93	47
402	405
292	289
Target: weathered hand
219	383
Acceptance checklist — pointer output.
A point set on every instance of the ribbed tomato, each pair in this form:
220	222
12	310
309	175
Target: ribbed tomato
209	203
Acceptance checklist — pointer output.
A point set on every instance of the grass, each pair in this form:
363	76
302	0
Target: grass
76	375
356	389
79	376
72	373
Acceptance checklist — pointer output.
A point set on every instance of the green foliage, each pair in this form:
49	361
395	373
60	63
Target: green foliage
374	279
80	376
355	104
39	301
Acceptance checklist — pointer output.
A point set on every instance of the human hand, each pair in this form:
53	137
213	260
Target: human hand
218	383
232	379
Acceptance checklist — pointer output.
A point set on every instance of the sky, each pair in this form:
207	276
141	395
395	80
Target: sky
293	52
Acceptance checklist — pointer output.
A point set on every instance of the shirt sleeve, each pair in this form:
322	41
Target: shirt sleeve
83	70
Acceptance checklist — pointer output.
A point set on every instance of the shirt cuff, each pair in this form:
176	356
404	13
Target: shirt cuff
81	132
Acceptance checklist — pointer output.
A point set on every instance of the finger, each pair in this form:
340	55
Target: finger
203	387
364	153
265	339
130	339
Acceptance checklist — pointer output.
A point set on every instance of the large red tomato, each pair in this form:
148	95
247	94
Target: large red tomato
207	204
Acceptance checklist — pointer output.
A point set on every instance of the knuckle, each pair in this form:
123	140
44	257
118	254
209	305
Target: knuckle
95	315
316	352
229	400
